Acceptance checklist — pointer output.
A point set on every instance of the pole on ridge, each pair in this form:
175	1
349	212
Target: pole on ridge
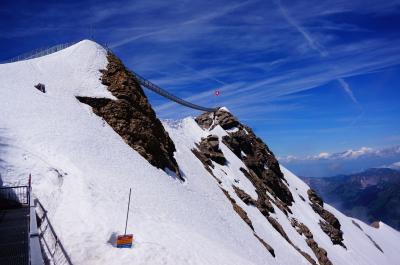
127	212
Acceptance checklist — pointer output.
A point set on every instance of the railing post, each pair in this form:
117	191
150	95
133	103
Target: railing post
35	252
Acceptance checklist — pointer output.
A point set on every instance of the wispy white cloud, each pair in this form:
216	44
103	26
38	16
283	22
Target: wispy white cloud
350	154
314	44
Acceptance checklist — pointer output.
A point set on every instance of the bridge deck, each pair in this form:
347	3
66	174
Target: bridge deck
14	245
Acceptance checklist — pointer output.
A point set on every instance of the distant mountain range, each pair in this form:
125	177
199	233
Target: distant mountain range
346	162
370	195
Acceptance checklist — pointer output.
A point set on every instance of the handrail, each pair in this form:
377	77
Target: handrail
35	252
40	52
11	187
46	234
144	82
17	194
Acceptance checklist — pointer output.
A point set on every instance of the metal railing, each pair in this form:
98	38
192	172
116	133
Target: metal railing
52	248
144	82
40	52
16	194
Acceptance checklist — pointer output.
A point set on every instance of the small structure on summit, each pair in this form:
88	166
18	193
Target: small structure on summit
41	87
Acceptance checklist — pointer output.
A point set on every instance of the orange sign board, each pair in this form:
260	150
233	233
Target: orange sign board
124	241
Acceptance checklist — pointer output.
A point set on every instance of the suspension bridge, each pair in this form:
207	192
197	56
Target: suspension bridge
142	81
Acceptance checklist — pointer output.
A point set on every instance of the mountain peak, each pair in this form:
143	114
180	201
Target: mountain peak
91	135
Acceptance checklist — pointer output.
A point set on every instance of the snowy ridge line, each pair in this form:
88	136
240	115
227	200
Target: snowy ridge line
144	82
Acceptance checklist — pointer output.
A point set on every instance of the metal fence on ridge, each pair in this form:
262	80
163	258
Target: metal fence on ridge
144	82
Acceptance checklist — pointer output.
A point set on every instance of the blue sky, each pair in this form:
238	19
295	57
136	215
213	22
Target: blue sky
309	76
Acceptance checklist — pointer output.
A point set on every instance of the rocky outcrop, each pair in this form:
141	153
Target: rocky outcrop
131	116
263	202
314	198
239	210
223	118
266	245
275	224
319	252
262	167
262	170
375	224
209	148
257	157
246	198
242	213
330	224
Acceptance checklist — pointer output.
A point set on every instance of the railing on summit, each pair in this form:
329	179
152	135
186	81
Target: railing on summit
144	82
149	85
40	52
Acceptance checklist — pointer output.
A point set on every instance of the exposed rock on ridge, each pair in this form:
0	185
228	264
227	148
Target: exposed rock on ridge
330	224
208	151
132	116
263	167
209	148
319	252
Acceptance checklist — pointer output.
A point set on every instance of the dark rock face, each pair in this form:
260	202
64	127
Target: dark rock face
239	210
267	246
260	161
280	230
319	252
263	203
314	198
330	224
209	147
132	117
263	168
246	198
41	87
208	151
263	171
375	224
242	213
223	118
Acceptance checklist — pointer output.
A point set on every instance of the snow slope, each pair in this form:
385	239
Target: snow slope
82	171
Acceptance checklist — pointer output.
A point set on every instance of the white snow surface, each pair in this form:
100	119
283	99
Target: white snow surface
173	222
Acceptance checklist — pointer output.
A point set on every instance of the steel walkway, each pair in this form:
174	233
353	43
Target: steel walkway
14	236
149	85
19	239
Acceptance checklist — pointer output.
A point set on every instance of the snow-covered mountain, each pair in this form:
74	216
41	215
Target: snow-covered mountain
205	190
